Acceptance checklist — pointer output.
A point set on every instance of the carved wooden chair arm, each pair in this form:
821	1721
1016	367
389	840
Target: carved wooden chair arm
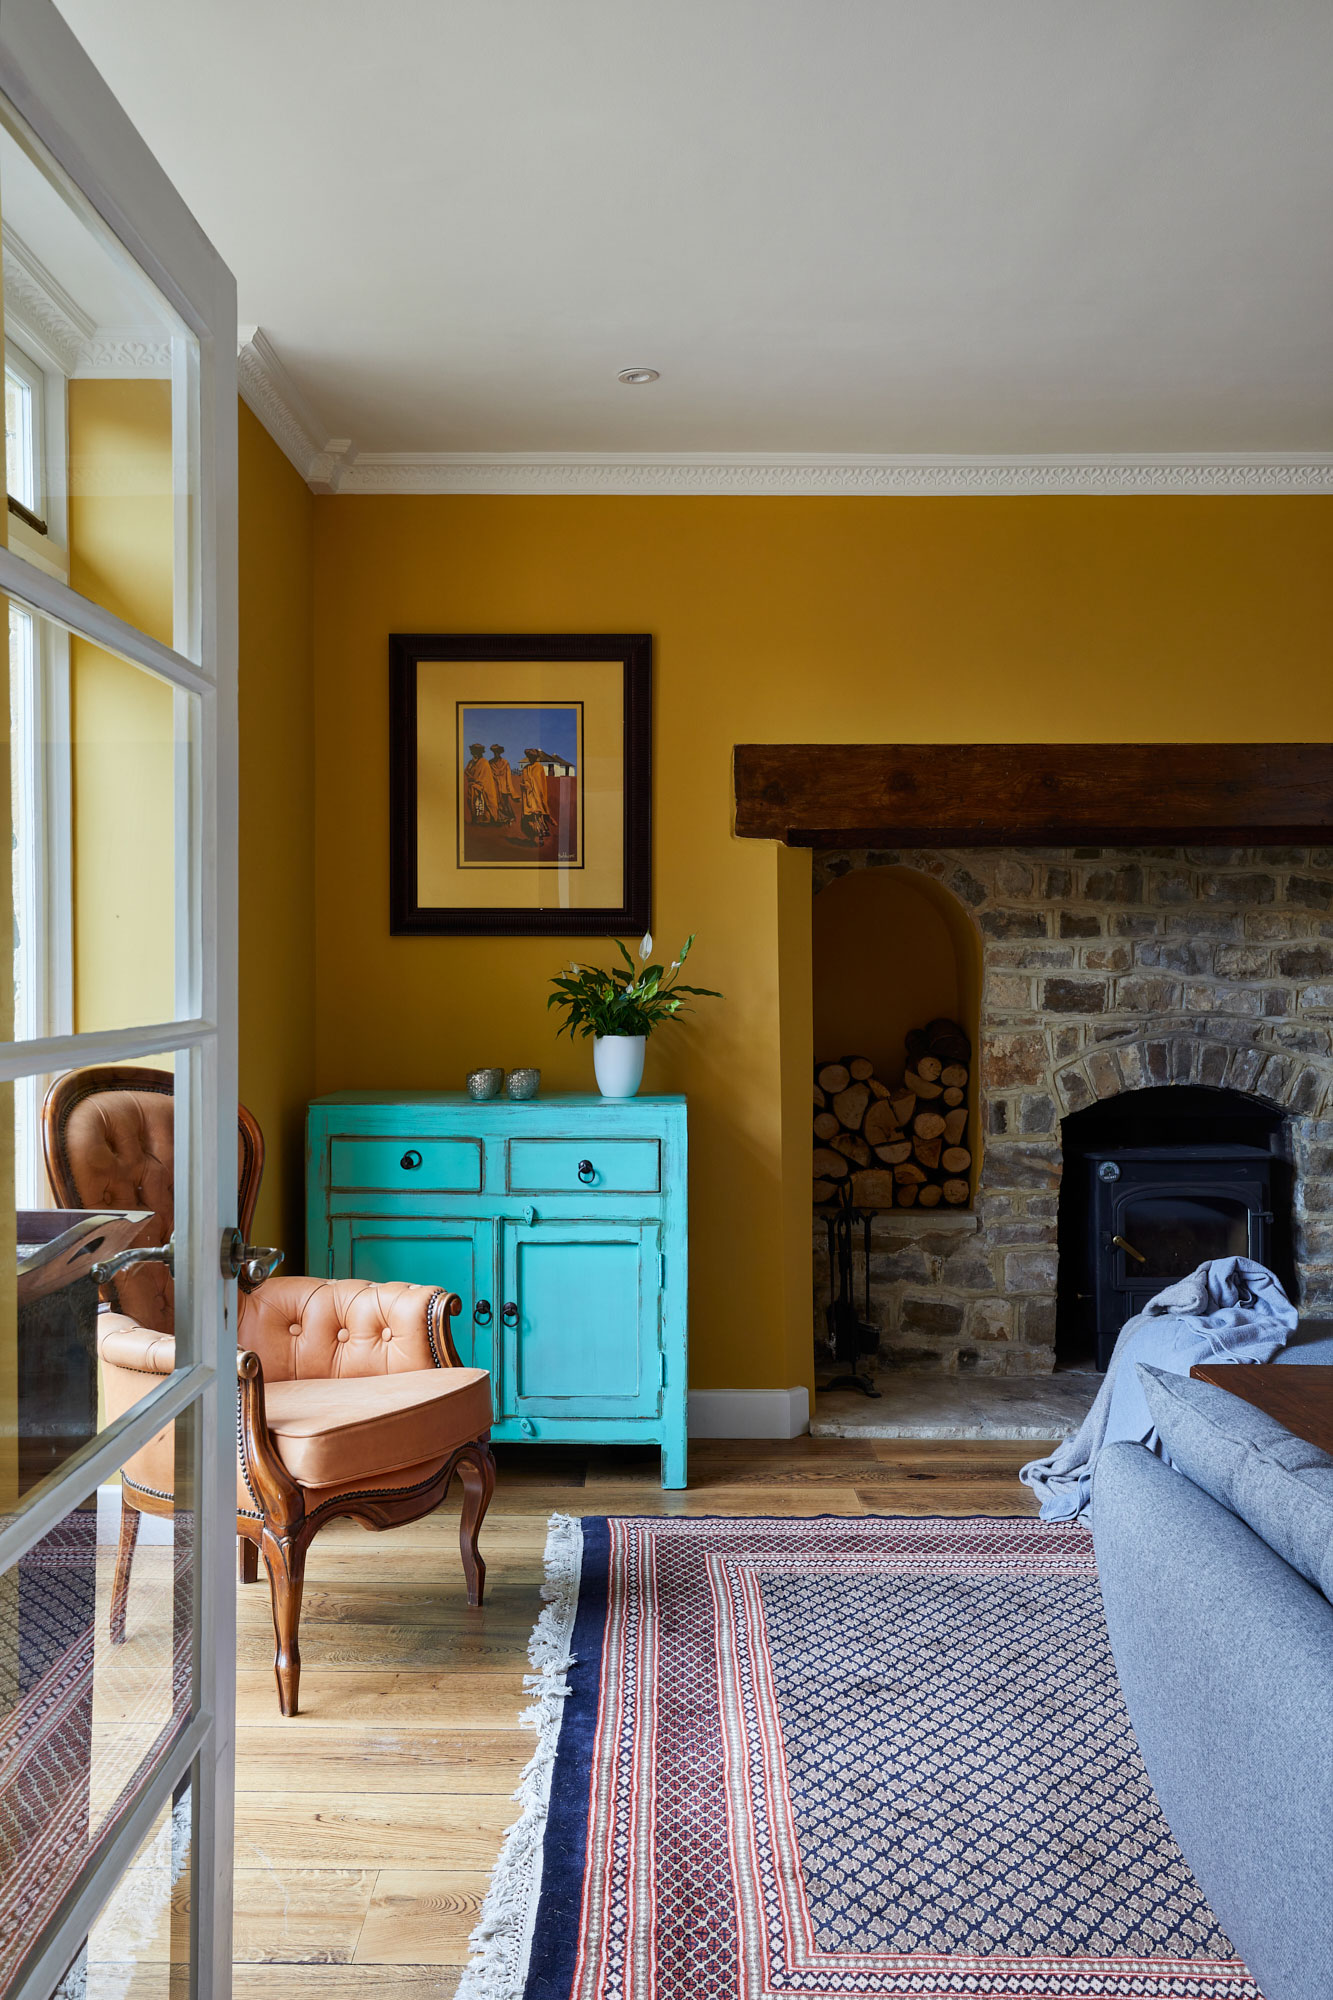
275	1494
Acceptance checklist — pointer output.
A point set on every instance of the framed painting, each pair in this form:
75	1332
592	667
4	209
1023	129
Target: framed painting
520	784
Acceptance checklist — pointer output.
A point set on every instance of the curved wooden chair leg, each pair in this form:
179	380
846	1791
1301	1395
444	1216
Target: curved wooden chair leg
247	1559
120	1585
476	1469
284	1559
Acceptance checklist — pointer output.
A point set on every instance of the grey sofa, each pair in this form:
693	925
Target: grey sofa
1225	1655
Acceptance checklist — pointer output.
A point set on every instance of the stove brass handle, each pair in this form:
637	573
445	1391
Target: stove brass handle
1129	1249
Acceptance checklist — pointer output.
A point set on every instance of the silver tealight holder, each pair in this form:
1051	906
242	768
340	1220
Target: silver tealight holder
521	1083
484	1083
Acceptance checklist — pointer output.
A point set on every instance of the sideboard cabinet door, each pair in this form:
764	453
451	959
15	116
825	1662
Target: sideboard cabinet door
455	1254
579	1319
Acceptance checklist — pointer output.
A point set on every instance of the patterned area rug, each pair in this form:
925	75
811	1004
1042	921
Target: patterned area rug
866	1756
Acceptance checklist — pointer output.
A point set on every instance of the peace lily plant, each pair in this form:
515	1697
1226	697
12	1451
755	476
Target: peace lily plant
620	1008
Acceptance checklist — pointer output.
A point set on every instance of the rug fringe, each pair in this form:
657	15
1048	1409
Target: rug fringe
502	1938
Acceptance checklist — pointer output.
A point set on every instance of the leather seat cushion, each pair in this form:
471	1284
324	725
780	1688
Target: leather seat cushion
351	1428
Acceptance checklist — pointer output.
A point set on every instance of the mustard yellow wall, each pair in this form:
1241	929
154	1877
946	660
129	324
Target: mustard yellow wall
277	830
122	731
782	620
884	963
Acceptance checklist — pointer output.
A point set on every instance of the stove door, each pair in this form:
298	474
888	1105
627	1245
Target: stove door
1162	1237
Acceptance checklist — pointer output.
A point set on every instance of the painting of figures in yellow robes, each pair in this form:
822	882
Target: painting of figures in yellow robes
518	798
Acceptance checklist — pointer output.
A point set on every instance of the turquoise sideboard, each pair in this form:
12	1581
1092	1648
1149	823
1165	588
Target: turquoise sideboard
560	1222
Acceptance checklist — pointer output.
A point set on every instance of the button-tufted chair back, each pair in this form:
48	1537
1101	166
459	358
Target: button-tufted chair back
321	1329
109	1139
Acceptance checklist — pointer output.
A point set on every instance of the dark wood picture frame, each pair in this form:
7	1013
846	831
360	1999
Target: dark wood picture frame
408	917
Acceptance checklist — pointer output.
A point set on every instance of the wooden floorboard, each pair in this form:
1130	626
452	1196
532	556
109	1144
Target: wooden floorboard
366	1827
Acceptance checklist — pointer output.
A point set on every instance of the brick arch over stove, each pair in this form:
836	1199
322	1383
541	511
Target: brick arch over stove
1109	970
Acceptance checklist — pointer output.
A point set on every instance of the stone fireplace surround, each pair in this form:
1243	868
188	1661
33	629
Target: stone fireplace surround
1105	970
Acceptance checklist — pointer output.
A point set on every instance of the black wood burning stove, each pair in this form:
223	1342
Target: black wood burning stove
1155	1183
1155	1213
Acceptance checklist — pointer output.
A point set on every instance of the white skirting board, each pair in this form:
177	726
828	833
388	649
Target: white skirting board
749	1413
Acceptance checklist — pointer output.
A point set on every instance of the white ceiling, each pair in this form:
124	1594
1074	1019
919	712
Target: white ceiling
841	226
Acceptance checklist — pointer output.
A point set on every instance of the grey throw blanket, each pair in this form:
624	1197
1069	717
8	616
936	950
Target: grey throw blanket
1229	1310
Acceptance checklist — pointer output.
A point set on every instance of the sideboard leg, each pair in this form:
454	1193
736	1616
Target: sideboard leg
674	1460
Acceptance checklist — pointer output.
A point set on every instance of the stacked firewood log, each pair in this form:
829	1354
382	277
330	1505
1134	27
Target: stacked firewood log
902	1147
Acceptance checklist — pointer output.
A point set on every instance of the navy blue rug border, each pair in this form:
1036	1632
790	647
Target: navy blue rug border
556	1931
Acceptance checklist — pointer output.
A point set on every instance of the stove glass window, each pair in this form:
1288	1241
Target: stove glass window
1175	1233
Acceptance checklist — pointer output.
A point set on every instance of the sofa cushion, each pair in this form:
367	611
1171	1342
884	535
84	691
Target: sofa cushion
357	1427
1278	1484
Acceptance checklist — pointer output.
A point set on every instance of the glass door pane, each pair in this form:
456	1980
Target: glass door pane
118	1135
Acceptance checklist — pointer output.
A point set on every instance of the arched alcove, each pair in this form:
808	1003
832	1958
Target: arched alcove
892	950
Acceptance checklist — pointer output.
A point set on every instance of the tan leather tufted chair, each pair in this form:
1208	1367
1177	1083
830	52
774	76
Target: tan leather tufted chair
353	1399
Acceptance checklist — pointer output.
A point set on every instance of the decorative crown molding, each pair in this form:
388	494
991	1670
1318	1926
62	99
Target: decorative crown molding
865	475
60	333
335	466
269	391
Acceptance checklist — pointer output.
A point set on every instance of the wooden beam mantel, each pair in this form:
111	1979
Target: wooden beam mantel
1016	794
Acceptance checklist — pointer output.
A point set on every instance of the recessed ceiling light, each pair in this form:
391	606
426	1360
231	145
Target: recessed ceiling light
635	377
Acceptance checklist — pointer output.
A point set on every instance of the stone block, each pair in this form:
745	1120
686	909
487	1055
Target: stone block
1245	1002
1009	990
1306	961
1107	957
1034	1231
1104	1073
1074	996
1030	957
1184	1055
1043	1207
967	888
1057	883
1245	1067
1213	1065
1277	1077
930	1315
881	857
1036	1321
997	1116
1317	1160
1242	891
990	1319
1130	1059
1087	853
903	1266
1306	1093
1066	1042
1014	878
1310	891
1279	926
1013	923
914	1360
969	1273
1074	1089
1144	995
1120	924
1277	1002
1242	961
1206	924
1013	1167
1316	1237
1036	1114
1316	999
1170	885
1172	955
1078	924
1030	1270
1158	1058
1114	885
1317	1196
1014	1060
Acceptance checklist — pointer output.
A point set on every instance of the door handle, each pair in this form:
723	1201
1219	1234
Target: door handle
411	1160
248	1263
587	1172
481	1312
509	1313
1129	1250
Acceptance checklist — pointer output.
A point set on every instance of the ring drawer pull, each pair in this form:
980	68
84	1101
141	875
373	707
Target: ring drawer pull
481	1312
587	1172
411	1160
528	1428
509	1313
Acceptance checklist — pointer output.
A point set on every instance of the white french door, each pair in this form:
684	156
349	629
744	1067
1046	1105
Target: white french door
119	576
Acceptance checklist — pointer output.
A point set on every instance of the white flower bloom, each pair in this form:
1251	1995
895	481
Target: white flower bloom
572	971
646	947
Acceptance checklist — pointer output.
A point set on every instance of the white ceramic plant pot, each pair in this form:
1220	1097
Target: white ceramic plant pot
618	1063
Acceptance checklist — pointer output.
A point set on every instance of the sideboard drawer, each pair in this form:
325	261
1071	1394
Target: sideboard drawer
425	1166
563	1166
